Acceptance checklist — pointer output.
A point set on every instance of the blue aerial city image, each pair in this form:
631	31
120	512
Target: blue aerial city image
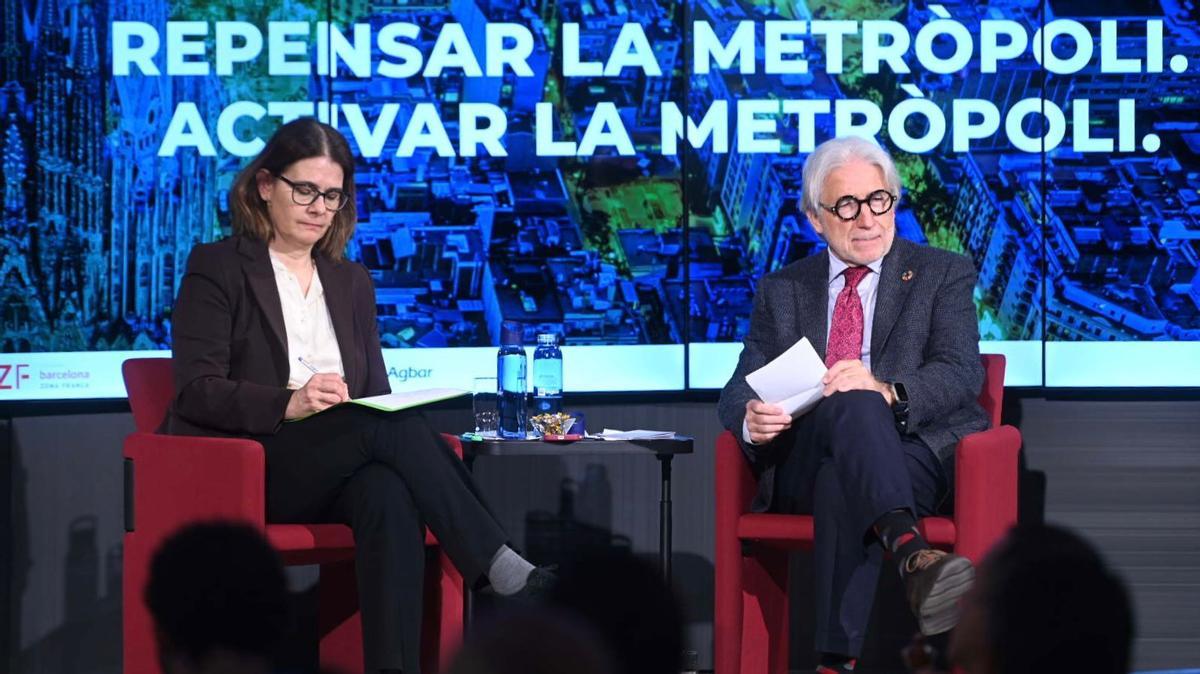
600	336
113	170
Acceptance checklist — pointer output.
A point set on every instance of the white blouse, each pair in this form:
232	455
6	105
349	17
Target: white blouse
308	325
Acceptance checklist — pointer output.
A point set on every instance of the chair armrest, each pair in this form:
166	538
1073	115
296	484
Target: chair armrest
455	443
735	483
985	489
179	479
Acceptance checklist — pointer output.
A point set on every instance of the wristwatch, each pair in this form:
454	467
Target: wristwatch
900	405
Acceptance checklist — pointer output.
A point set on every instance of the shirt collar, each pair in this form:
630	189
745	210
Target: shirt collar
315	290
276	263
836	266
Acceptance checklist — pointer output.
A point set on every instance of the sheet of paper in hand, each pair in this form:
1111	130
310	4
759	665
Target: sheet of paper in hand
792	380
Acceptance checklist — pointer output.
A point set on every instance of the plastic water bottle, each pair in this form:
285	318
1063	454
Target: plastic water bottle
547	375
510	375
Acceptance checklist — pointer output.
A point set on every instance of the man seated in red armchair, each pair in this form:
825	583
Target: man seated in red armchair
895	323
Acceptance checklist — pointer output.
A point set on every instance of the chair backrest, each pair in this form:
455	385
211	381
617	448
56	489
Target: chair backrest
148	381
991	398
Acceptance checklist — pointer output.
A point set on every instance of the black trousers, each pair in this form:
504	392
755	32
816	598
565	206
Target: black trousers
386	476
847	466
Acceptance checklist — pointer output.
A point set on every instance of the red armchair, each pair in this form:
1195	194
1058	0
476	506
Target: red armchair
751	602
174	480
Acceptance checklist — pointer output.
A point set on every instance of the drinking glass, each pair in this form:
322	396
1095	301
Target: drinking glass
484	395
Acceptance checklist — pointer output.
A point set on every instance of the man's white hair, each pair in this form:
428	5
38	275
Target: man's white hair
837	152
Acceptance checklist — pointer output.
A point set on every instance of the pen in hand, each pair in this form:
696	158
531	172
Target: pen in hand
312	368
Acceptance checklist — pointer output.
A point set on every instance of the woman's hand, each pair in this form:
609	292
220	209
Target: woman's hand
321	392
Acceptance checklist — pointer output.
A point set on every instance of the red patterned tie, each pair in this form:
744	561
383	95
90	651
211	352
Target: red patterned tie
846	328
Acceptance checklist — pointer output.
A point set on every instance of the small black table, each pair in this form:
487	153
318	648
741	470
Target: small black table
664	450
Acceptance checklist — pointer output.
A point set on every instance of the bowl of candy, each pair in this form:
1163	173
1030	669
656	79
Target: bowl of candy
554	426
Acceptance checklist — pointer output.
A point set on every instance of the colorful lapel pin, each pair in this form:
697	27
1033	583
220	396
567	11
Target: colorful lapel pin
907	276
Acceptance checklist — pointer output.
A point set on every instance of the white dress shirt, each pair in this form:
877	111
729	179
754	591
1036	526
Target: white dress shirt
868	288
308	325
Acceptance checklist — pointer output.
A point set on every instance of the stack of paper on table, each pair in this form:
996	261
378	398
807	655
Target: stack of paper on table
610	434
792	381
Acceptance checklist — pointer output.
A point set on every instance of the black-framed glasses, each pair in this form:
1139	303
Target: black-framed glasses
305	194
848	207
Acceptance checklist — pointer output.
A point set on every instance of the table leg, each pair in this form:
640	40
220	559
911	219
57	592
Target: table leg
664	518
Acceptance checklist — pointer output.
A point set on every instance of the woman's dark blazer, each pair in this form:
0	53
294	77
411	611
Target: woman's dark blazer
229	346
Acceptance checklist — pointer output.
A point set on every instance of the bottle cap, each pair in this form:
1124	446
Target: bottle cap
511	332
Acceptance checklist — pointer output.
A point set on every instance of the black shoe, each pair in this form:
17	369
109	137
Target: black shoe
935	581
538	585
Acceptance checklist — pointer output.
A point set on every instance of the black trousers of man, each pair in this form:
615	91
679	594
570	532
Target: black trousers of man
847	466
387	476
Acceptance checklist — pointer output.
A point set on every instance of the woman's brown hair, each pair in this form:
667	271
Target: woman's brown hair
299	139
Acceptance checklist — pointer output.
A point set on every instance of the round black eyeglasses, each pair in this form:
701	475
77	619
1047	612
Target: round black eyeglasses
305	194
848	207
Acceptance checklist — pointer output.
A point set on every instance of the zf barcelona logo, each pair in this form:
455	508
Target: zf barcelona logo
11	376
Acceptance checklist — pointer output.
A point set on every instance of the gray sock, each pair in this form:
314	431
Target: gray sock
508	571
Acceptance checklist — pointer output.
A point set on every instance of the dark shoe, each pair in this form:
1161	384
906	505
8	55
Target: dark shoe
538	585
935	581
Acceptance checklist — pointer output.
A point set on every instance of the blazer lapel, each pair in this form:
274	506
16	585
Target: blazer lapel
813	302
256	265
889	297
340	301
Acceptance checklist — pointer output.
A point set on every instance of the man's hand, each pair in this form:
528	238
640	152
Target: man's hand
765	422
322	391
852	375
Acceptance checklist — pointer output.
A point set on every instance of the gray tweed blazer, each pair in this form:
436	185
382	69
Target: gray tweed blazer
925	335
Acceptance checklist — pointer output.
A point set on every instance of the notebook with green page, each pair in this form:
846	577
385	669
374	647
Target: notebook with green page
394	402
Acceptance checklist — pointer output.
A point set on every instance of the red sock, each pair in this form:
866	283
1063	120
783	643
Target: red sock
898	532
